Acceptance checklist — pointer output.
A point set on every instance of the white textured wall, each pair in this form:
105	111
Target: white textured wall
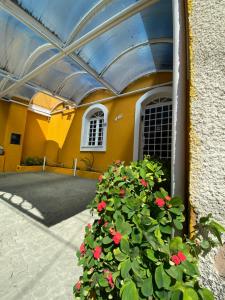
207	123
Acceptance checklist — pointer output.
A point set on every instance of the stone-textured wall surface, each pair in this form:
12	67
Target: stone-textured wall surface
207	125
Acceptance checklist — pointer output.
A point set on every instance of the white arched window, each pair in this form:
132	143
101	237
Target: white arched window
94	127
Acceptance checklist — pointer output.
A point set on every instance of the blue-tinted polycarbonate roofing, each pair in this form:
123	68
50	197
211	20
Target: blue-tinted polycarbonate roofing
37	37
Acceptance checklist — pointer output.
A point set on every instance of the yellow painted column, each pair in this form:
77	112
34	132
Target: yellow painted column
16	122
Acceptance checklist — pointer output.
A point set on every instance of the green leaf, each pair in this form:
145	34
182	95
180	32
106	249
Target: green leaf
151	255
109	208
123	227
120	256
189	268
90	241
175	272
102	281
190	294
142	173
176	201
176	295
129	291
176	244
147	288
175	210
106	240
161	278
205	244
125	267
166	229
158	235
178	224
205	294
163	295
124	245
136	236
138	270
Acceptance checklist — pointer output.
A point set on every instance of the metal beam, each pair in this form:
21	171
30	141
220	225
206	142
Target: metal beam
92	12
94	33
61	85
145	43
37	27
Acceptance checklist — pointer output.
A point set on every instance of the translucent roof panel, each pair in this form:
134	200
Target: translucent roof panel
66	78
77	87
152	23
18	44
138	62
25	91
59	16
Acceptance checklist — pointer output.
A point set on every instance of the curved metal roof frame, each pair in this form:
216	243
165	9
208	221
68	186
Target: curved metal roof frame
67	49
149	42
145	74
89	92
34	55
94	10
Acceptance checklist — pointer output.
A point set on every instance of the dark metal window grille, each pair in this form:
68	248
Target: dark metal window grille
96	124
157	128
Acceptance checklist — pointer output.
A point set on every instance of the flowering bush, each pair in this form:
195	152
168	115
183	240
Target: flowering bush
130	252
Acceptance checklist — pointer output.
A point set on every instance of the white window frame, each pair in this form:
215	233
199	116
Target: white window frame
86	125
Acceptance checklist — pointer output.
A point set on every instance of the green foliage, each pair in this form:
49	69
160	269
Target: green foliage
129	252
33	161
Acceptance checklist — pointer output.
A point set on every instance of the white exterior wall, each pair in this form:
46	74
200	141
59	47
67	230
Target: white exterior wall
207	124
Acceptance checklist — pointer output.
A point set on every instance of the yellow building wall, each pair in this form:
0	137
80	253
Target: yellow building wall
4	109
35	136
15	124
120	133
58	138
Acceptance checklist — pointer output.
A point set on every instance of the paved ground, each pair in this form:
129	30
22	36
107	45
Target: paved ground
42	220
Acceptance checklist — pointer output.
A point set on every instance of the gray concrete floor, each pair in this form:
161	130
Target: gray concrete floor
42	224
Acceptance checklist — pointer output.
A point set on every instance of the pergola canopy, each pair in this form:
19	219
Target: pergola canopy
72	48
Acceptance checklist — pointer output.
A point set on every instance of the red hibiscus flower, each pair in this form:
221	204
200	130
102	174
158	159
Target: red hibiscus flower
100	178
117	238
143	182
78	285
167	198
97	252
175	259
82	249
101	206
159	202
181	256
122	193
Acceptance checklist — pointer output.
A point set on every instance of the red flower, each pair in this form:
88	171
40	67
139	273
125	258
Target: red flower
100	178
82	249
167	198
159	202
117	238
175	259
97	252
143	182
89	225
110	280
181	256
122	193
101	206
99	221
78	285
112	231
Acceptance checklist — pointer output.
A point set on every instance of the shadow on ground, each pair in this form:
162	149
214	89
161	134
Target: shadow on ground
48	198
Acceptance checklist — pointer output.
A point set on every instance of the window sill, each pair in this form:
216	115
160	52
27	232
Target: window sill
92	149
